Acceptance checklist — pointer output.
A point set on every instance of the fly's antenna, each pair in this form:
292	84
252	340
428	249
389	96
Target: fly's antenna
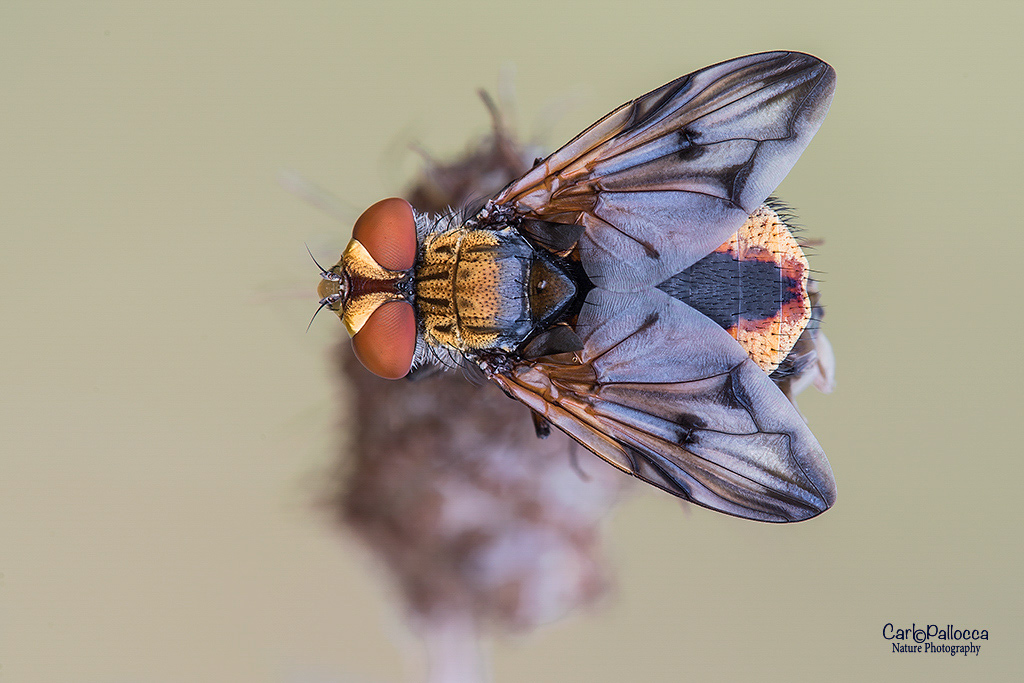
327	275
324	273
323	303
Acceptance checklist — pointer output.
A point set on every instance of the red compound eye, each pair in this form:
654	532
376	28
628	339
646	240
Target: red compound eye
387	341
388	231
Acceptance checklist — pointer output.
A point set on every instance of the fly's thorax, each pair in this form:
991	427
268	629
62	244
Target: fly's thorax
486	289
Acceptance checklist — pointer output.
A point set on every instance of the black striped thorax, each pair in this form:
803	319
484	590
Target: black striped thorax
482	289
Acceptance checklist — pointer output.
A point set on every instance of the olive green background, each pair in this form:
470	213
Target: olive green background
167	426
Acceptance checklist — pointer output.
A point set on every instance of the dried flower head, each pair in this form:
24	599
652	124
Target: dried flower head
446	480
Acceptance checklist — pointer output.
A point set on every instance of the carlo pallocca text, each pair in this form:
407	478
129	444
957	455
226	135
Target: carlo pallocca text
934	638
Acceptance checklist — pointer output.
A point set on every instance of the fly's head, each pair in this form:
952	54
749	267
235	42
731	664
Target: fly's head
371	286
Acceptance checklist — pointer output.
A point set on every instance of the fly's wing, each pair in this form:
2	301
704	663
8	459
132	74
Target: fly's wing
661	181
663	393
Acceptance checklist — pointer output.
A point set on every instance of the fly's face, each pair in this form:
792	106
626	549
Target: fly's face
370	289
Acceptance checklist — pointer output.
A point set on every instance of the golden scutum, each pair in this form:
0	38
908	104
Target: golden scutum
484	289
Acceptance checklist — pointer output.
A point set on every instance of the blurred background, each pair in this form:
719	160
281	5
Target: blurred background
168	431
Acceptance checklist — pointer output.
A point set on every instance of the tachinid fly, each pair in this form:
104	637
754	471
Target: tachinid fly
634	289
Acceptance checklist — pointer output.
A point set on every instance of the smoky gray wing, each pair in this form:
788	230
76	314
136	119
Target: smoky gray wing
663	180
665	394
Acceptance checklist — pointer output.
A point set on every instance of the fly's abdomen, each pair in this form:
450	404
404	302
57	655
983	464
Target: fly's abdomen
754	285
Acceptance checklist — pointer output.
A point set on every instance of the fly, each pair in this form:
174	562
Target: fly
635	289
